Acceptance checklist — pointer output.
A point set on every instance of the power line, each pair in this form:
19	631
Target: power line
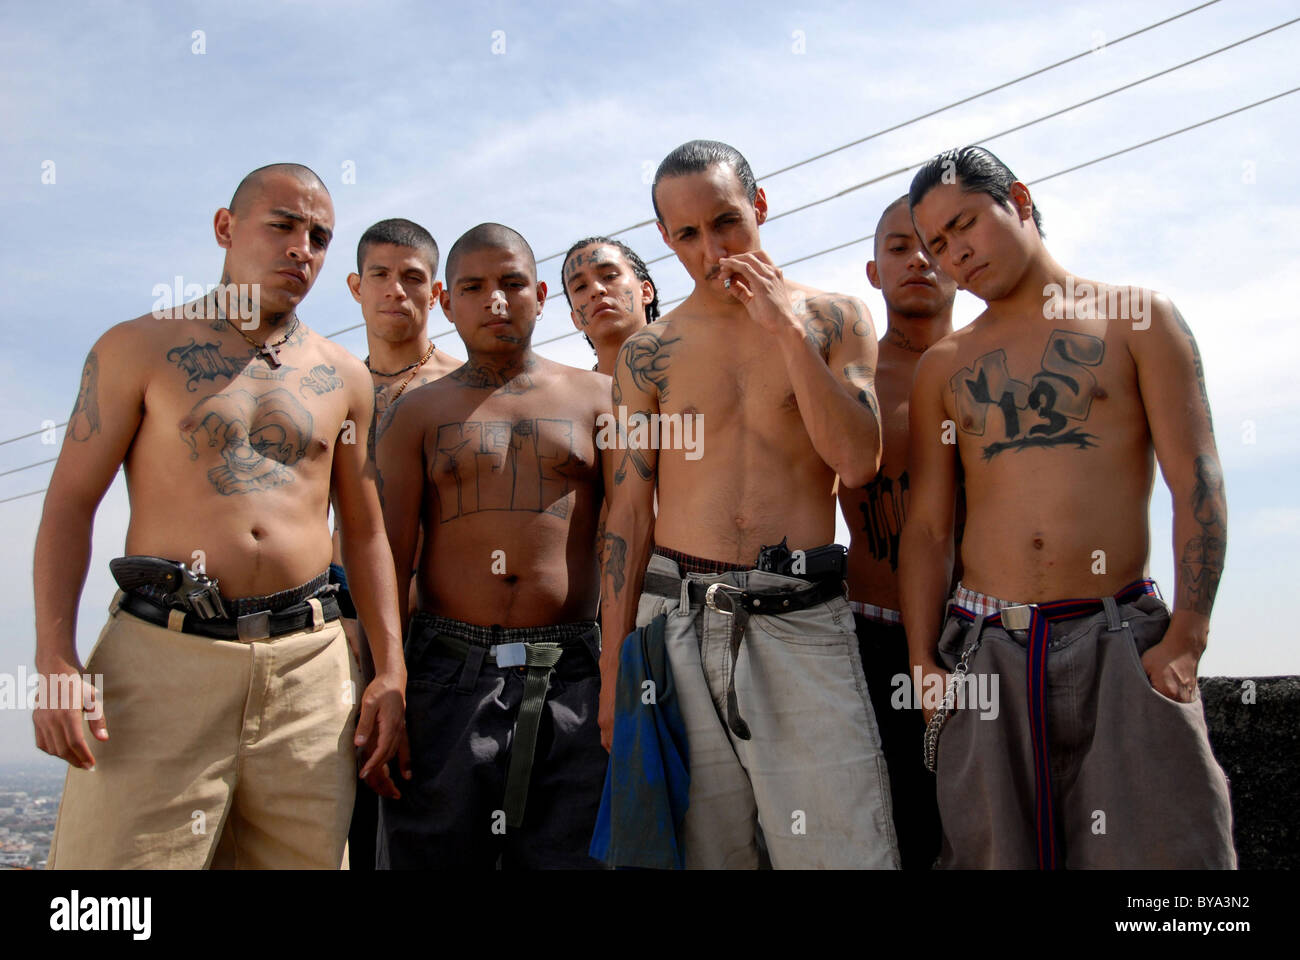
34	433
943	109
849	243
28	467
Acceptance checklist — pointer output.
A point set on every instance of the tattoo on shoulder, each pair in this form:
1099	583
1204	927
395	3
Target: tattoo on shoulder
85	412
826	316
1060	392
1201	564
320	379
646	356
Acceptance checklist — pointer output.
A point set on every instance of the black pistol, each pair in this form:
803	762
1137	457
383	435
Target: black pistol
197	592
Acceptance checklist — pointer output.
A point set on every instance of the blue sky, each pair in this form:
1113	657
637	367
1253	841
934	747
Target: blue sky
557	133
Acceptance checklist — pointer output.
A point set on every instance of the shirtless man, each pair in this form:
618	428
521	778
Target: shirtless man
610	294
498	462
225	740
1054	401
781	733
397	261
918	312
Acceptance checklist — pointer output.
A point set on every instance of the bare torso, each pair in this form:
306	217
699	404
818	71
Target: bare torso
512	496
232	460
1058	459
759	478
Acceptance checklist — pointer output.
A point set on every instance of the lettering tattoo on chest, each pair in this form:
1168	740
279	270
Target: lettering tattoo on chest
883	513
85	412
205	361
522	465
257	438
320	379
1034	414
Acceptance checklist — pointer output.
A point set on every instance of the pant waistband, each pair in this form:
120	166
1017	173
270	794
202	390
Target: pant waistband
971	604
242	606
481	636
873	612
310	614
689	564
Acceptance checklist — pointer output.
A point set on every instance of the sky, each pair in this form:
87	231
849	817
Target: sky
126	125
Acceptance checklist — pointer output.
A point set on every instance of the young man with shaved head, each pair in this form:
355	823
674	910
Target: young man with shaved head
397	263
610	294
918	312
498	462
1057	402
226	736
761	641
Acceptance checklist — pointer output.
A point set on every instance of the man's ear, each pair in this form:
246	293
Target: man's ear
221	226
760	206
873	274
1022	201
354	285
647	292
662	232
541	296
435	293
444	298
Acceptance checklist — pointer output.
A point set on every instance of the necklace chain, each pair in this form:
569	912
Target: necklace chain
398	373
407	382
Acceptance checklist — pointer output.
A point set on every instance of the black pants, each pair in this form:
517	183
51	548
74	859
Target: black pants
916	812
451	814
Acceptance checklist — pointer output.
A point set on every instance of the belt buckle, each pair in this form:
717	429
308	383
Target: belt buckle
510	654
1017	616
254	626
711	598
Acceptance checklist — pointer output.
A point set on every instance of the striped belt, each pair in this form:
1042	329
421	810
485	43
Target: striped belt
873	612
1036	618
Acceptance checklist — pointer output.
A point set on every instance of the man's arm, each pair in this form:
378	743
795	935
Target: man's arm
104	421
926	548
629	521
830	356
1172	382
373	586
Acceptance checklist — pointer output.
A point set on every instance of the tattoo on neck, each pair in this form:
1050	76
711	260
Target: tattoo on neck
514	378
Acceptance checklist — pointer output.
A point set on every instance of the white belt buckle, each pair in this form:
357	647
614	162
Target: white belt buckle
711	598
1016	617
510	654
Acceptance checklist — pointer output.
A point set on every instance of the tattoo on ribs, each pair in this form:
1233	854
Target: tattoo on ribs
883	513
84	420
1202	557
499	465
1063	390
257	438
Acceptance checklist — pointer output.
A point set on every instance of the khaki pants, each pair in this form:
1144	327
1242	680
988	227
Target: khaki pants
220	754
1133	779
812	776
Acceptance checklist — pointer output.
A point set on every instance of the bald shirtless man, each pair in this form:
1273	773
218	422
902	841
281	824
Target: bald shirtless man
397	263
918	310
1054	401
498	462
611	295
228	714
781	733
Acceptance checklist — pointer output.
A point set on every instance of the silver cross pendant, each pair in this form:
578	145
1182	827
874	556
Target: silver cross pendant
271	353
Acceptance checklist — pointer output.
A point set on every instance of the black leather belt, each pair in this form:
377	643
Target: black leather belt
253	626
739	604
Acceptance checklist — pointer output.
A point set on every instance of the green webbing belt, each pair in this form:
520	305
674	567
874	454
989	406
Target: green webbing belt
540	660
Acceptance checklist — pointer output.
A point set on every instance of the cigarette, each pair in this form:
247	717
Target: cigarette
727	283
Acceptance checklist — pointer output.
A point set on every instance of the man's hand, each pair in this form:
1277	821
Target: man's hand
381	729
57	716
1171	664
933	677
758	284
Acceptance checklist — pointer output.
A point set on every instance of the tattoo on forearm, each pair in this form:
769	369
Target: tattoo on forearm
863	376
1202	556
613	561
1061	391
883	513
257	438
499	465
85	412
1200	368
646	356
